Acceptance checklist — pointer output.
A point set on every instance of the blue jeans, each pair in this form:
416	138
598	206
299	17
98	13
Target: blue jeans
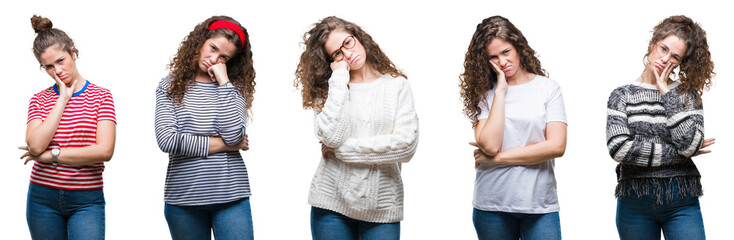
65	214
327	224
513	226
232	220
641	218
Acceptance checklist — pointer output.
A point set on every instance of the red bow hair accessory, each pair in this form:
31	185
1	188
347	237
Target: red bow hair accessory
231	26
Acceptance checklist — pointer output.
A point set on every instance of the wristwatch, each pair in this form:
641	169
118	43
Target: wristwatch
55	155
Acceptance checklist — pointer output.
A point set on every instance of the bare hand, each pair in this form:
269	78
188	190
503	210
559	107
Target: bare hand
44	157
218	73
479	156
706	142
326	151
501	81
64	91
339	65
662	79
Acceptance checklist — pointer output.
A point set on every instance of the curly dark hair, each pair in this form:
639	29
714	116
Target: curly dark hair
49	36
313	72
696	68
479	76
184	64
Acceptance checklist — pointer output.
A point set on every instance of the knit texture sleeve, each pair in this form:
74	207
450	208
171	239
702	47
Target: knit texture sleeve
331	125
231	115
398	146
627	148
166	130
685	121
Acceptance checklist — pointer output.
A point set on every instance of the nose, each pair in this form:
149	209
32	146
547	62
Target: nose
348	54
57	69
214	59
503	61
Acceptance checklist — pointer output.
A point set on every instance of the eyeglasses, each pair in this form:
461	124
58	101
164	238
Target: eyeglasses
664	51
348	43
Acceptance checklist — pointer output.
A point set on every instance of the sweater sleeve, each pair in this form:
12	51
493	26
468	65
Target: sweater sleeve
625	148
231	115
166	129
331	125
398	146
685	121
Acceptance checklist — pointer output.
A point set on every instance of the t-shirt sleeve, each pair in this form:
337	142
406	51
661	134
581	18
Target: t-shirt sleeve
107	109
555	110
34	109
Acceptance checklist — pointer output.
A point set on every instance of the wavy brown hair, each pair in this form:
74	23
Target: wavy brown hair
696	68
48	37
313	72
479	76
184	64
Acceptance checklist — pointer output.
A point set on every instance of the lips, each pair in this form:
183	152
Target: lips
354	59
506	68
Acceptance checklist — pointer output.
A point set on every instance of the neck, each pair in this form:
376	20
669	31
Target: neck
201	76
520	77
648	77
363	75
80	81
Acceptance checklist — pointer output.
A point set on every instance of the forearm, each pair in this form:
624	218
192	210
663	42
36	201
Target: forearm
217	144
231	115
85	155
40	132
531	154
332	124
489	137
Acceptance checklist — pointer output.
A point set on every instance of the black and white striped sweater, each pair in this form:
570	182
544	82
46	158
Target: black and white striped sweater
653	137
195	177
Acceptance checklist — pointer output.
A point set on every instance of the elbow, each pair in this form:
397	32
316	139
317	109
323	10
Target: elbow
35	149
489	150
559	150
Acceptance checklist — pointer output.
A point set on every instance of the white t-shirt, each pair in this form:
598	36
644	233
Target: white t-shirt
522	189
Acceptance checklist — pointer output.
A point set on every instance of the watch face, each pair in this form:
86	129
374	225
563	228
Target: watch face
55	151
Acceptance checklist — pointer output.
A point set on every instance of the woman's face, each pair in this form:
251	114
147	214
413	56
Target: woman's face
215	50
504	55
59	63
338	46
670	50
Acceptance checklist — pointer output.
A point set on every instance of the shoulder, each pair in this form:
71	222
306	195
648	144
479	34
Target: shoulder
98	89
547	83
165	82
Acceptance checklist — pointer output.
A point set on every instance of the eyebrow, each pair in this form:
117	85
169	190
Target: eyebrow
47	65
491	56
671	53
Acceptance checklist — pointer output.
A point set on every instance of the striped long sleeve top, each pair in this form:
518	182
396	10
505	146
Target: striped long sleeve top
653	137
195	177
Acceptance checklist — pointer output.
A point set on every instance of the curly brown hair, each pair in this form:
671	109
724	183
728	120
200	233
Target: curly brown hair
313	72
696	68
48	37
479	76
184	64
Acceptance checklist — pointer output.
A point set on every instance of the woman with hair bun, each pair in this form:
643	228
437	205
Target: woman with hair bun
519	123
654	128
200	118
70	134
366	121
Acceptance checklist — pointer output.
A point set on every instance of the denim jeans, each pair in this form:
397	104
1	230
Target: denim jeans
65	214
641	218
232	220
513	226
330	225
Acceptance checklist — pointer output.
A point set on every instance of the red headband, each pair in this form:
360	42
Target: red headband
231	26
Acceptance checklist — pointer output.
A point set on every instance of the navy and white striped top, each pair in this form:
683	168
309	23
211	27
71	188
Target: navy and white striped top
195	177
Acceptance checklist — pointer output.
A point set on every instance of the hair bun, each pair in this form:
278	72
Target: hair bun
41	24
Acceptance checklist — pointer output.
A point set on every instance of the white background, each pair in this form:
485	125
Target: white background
589	48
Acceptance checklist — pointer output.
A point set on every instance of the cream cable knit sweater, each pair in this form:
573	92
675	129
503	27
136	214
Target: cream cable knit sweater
373	128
